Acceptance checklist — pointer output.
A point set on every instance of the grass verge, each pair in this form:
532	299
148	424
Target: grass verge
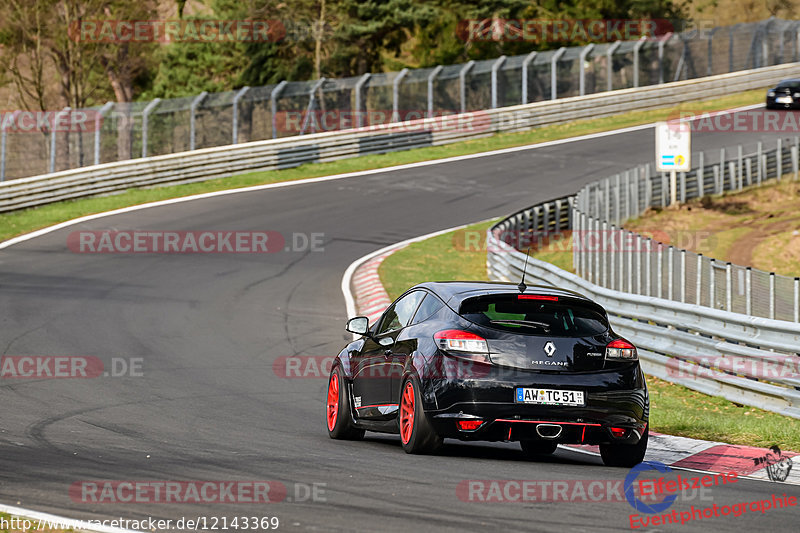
674	410
24	221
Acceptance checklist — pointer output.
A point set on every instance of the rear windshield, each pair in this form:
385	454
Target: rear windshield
509	312
789	85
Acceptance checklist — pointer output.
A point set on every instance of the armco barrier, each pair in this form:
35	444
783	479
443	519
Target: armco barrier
224	161
675	340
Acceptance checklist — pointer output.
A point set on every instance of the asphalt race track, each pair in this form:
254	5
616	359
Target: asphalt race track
207	327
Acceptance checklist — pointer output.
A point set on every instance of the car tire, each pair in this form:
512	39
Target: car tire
625	455
537	448
338	415
416	433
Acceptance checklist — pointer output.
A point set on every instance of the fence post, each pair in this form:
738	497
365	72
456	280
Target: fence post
629	253
638	264
712	285
670	274
647	284
772	295
145	123
4	133
683	276
528	59
759	151
627	195
53	138
608	199
585	264
273	104
582	74
797	299
612	251
609	65
779	160
732	174
617	200
701	174
661	44
605	251
748	291
794	159
596	270
699	281
636	48
193	117
660	269
721	183
462	84
235	121
749	170
716	178
97	128
431	78
359	97
576	259
554	72
741	177
495	67
312	99
683	187
728	286
396	94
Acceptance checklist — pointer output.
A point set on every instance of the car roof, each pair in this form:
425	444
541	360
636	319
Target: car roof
454	292
787	80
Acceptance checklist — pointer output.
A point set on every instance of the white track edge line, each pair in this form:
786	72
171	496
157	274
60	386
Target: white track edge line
78	525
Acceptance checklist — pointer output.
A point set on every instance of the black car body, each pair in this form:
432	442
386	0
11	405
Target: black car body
785	95
483	361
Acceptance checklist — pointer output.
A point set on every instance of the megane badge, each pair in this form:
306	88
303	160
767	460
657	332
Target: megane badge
549	349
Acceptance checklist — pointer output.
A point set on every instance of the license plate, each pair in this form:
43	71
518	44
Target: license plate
784	100
549	397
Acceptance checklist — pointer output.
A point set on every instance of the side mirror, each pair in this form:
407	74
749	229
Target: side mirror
358	325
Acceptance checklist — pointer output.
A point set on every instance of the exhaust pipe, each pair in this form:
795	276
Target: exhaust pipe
549	431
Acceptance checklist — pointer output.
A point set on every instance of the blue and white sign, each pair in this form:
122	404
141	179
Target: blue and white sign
673	146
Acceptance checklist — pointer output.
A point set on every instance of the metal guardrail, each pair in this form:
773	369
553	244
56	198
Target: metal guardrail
747	359
210	163
121	131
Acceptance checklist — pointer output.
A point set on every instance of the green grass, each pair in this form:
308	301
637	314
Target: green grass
7	517
24	221
674	410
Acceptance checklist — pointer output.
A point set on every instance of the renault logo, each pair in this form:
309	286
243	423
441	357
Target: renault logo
549	349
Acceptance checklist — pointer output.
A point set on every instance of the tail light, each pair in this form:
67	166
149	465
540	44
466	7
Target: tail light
469	425
621	349
463	344
618	432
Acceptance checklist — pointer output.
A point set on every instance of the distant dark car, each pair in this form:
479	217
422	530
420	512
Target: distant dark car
484	361
785	95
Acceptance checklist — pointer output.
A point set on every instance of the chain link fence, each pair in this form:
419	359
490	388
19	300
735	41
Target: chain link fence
612	257
120	131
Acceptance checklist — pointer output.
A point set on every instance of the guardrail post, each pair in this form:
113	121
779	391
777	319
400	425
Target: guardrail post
557	217
779	160
545	218
683	276
701	176
609	64
732	174
728	286
431	78
627	189
576	259
683	187
721	183
636	210
716	178
636	48
312	100
794	159
629	253
638	264
712	284
759	151
607	196
235	122
648	190
749	170
699	281
145	123
554	72
273	105
617	190
612	251
748	291
797	299
582	72
495	67
359	88
525	63
462	84
597	256
585	264
396	94
193	117
772	295
53	127
98	119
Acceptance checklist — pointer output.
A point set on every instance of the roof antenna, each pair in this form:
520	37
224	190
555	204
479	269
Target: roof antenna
522	285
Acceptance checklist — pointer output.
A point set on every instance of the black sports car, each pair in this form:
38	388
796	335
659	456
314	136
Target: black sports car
785	95
484	361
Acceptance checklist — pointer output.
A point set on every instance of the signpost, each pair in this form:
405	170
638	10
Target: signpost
673	152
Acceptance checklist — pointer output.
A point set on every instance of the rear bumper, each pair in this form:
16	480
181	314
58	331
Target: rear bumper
613	399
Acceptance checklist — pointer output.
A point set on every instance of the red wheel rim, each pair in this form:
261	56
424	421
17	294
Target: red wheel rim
407	413
333	402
